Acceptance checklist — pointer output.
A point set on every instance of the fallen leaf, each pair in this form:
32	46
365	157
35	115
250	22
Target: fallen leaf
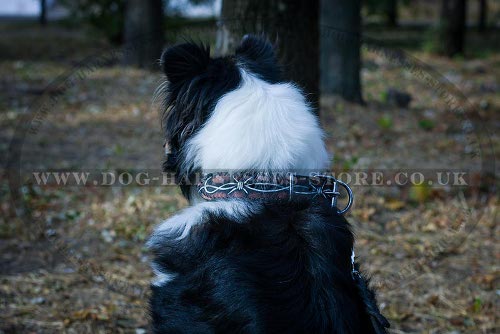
394	204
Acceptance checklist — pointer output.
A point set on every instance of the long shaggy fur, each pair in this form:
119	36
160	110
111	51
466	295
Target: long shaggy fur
282	270
243	266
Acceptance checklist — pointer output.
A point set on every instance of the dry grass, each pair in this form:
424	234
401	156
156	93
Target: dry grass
78	264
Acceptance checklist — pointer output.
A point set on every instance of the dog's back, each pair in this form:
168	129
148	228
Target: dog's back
275	269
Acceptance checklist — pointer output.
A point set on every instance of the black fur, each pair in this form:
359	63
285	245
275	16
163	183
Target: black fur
195	83
379	322
286	269
258	55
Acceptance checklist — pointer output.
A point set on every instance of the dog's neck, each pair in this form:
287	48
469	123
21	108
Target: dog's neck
273	187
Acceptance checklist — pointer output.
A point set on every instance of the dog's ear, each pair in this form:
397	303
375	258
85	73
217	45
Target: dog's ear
182	62
258	55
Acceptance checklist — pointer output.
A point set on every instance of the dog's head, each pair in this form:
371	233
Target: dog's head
236	112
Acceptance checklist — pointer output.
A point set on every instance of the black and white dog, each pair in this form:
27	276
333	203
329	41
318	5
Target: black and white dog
241	258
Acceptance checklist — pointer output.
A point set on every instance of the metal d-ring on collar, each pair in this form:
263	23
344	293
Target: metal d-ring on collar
335	193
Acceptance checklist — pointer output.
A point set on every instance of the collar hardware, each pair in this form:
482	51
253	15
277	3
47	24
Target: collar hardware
274	186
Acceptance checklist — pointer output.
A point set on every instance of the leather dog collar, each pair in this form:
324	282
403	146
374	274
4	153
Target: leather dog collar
279	187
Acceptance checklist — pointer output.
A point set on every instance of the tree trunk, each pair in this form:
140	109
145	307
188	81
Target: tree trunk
453	26
143	33
482	19
292	24
392	13
340	48
43	12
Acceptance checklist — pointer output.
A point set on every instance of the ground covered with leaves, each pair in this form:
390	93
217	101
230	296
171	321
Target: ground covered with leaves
73	258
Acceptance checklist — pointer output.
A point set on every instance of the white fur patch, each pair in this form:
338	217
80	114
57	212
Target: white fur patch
162	277
179	225
260	126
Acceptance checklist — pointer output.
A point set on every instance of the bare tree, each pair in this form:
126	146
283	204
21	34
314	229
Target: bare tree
43	12
391	12
293	24
143	32
453	16
340	48
482	19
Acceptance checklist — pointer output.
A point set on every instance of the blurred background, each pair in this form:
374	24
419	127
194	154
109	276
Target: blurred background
399	85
